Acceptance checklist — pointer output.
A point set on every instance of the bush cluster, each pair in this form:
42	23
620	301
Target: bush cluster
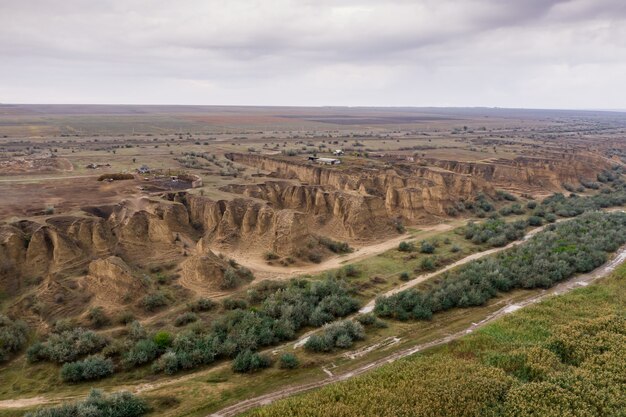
154	301
336	335
314	251
334	246
185	318
576	246
248	361
67	346
235	276
494	232
289	361
97	404
13	336
301	303
614	195
201	305
93	367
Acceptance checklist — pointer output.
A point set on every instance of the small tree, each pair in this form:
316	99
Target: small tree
162	339
98	317
406	247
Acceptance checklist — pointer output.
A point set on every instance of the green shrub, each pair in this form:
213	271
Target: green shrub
404	276
185	318
334	246
126	318
162	339
235	276
136	331
270	256
370	319
144	351
335	335
97	404
428	264
351	271
93	367
427	247
154	301
98	317
249	362
289	361
406	247
13	336
67	346
234	304
202	304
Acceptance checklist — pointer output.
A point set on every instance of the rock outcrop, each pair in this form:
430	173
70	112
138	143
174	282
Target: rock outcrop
112	283
411	192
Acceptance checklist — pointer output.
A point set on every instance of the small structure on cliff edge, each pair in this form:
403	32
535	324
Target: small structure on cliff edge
328	161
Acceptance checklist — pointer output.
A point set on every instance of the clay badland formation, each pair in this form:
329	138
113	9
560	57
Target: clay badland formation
106	247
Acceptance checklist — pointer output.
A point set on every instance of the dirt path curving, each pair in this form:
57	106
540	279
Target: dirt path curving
262	270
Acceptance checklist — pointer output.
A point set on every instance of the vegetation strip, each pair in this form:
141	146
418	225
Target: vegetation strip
557	253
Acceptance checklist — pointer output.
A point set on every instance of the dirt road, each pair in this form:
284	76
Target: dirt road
264	271
38	179
562	288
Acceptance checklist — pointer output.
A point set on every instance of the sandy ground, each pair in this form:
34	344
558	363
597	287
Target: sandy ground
263	271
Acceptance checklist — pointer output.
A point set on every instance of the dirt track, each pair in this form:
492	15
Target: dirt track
264	271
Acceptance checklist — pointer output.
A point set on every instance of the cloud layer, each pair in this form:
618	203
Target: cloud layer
509	53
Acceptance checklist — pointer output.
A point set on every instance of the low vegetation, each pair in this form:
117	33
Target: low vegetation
494	232
243	332
97	404
317	247
561	357
115	177
67	346
93	367
341	335
13	336
576	246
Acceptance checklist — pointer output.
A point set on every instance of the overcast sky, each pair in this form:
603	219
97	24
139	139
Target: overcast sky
507	53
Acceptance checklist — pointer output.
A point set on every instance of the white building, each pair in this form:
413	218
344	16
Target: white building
328	161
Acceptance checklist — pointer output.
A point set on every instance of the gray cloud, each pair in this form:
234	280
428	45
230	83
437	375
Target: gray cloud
532	53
